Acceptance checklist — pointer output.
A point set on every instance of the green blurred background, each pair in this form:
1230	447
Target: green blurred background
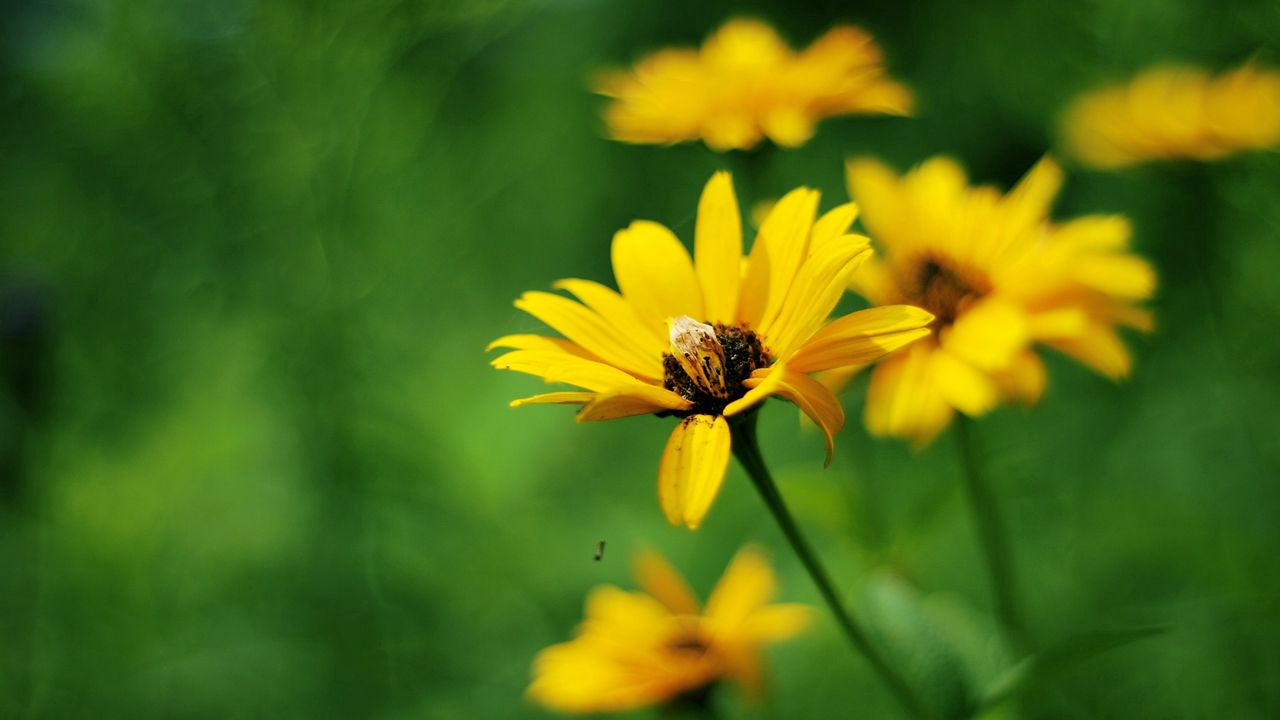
255	464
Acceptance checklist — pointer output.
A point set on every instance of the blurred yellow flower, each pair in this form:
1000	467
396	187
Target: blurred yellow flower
1175	112
1000	277
747	83
704	339
639	649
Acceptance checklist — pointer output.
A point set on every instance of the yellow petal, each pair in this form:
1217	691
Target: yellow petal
655	273
988	336
816	401
779	248
844	46
718	248
577	677
620	660
1101	349
538	342
884	96
730	131
788	126
630	615
744	43
558	367
878	192
874	281
1058	323
862	337
616	311
817	287
779	622
1028	203
1133	317
585	327
746	586
1024	380
934	187
1119	275
692	468
660	580
832	225
555	398
631	400
966	388
767	382
1094	232
903	400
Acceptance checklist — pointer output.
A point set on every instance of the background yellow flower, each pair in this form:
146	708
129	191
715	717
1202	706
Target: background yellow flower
1171	112
746	84
636	649
999	277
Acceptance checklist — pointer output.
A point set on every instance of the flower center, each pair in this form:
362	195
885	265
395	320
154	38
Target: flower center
707	364
947	292
688	643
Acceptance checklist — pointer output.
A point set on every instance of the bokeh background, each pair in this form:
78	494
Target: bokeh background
254	463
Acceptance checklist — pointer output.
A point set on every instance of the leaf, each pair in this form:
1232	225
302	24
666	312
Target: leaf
922	637
1038	669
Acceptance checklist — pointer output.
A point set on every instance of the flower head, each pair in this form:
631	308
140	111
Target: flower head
704	339
747	83
636	649
1172	112
1000	277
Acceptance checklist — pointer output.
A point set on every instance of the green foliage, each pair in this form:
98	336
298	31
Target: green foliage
1040	668
264	470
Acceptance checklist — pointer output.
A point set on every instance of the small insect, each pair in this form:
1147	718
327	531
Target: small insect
599	551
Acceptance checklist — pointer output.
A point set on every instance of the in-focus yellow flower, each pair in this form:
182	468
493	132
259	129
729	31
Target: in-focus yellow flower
1174	112
746	83
707	338
644	648
1000	277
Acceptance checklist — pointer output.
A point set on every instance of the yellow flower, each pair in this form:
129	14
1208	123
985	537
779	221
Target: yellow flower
746	83
1175	112
704	339
1000	277
638	649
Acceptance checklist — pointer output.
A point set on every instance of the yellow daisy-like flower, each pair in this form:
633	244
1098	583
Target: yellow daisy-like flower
1000	277
704	339
640	649
1175	112
747	83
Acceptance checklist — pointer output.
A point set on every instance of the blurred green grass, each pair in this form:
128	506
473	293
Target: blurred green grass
262	468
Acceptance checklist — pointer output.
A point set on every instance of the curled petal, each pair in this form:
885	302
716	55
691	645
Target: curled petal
630	400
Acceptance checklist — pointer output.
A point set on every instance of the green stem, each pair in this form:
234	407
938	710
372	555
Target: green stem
995	544
747	449
752	171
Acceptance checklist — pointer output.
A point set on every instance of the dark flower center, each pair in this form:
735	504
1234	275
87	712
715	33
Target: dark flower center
689	643
946	291
720	371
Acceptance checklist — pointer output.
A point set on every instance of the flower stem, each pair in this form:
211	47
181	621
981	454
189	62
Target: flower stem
752	170
747	449
995	544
